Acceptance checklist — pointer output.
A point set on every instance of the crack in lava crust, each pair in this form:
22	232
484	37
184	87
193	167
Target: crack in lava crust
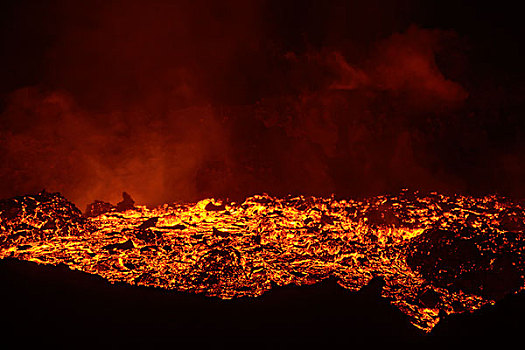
437	255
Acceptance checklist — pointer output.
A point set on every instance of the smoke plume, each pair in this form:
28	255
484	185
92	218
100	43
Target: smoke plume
176	101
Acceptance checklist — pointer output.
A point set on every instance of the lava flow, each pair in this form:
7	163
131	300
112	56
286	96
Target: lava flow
436	255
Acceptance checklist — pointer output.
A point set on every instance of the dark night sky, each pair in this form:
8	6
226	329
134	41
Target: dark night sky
185	99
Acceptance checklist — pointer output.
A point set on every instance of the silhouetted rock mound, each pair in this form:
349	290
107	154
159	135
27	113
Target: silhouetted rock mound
127	203
26	219
100	207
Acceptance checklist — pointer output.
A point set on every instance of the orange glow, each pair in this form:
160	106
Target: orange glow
232	250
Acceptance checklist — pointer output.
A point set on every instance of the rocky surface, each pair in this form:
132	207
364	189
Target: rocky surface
433	255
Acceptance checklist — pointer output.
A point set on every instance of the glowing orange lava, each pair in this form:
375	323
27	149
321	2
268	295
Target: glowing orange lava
437	255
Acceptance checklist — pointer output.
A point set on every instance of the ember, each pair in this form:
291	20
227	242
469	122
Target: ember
434	255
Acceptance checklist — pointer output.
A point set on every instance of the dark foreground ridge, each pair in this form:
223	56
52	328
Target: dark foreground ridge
53	302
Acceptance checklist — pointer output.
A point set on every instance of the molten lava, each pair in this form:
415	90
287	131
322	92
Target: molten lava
437	255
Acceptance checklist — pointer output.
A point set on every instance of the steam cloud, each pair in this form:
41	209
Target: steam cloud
180	101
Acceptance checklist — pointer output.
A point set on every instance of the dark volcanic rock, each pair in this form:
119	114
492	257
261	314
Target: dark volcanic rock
217	232
212	207
219	265
151	222
146	235
175	227
120	246
127	202
55	216
383	217
481	263
98	208
513	222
